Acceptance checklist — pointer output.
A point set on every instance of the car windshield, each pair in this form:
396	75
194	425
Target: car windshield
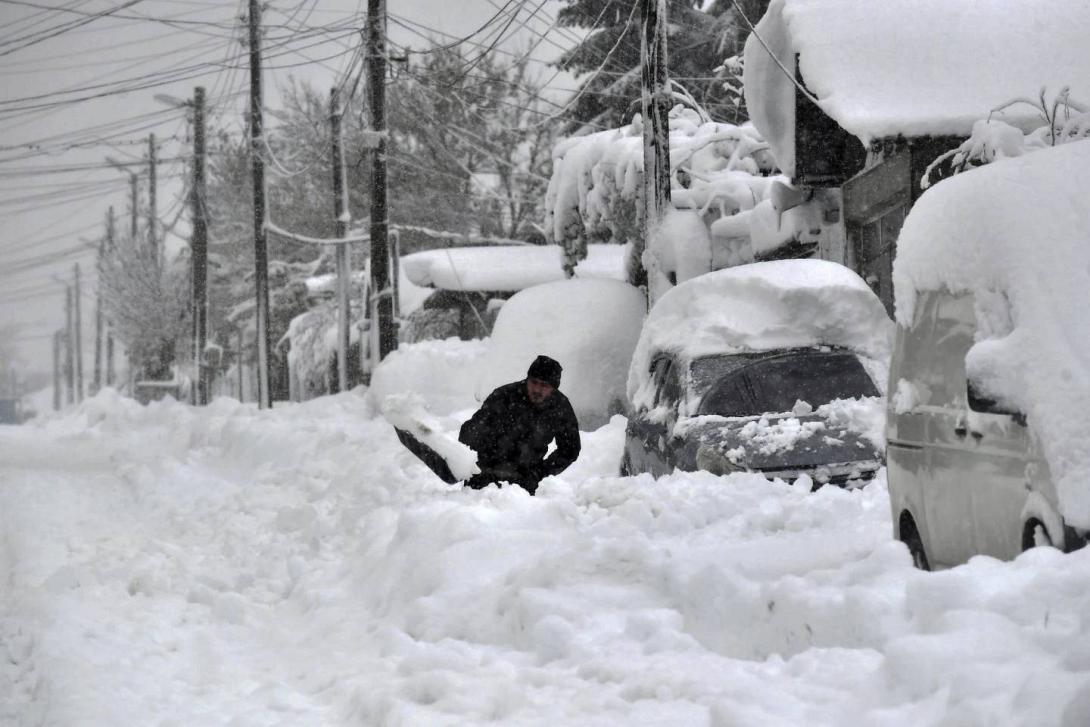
774	383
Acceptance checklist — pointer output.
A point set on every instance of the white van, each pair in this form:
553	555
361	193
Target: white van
988	409
965	477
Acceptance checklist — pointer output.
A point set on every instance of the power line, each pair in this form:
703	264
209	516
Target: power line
59	29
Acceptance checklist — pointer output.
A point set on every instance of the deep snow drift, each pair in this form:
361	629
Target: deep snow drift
166	565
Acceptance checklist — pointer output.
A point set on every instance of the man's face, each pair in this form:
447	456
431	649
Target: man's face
538	391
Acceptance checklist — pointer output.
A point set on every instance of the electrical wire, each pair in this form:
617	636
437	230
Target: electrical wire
53	32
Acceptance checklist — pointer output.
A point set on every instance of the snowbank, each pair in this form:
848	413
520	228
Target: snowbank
763	306
166	565
506	268
589	326
1015	234
922	67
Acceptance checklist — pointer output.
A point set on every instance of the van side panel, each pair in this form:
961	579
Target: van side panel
907	463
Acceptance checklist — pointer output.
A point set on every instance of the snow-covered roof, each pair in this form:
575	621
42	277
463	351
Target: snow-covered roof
760	307
507	268
914	67
1018	227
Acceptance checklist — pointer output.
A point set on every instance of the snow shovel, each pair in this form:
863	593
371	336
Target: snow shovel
427	455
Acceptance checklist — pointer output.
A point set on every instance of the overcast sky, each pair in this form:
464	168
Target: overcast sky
56	56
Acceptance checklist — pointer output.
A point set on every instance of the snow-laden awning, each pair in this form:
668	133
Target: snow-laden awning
914	67
507	268
1015	234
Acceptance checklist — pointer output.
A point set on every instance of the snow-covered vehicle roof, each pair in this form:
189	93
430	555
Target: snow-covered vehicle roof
913	67
508	267
763	306
1019	228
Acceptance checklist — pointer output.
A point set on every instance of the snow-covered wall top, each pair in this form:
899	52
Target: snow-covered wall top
914	67
507	268
759	307
1015	233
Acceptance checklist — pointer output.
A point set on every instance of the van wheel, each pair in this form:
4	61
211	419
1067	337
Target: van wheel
1029	534
910	536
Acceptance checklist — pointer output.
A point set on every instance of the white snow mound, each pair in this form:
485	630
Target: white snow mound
589	326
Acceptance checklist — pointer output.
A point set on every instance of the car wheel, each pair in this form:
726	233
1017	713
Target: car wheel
1029	535
910	536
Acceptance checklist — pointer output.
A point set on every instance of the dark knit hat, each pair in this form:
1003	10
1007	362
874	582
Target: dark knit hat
545	369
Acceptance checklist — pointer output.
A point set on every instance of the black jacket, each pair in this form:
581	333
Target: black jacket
509	432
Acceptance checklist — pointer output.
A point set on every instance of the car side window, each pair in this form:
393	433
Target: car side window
670	393
664	379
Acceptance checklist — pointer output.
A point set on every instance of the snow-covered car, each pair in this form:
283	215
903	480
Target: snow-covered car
471	283
987	422
774	367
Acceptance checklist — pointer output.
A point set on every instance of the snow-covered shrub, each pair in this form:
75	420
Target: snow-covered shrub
595	193
1065	120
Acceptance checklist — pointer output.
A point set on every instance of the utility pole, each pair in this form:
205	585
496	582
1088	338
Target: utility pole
381	292
134	197
110	246
96	383
342	217
241	377
199	249
257	168
153	242
655	107
69	366
79	338
56	370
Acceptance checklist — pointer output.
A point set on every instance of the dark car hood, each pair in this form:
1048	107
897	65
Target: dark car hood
781	442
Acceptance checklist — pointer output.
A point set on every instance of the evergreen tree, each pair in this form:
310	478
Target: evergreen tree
699	43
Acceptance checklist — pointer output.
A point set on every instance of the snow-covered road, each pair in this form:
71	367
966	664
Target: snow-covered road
166	565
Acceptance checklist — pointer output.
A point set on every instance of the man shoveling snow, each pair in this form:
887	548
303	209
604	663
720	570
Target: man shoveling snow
510	434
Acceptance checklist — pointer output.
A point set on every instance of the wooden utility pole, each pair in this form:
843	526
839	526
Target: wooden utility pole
79	337
342	218
96	383
241	372
153	242
257	168
56	370
655	107
110	246
134	197
69	361
381	292
199	250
